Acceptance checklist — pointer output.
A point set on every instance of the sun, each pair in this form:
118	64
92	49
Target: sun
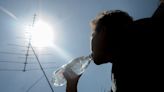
42	34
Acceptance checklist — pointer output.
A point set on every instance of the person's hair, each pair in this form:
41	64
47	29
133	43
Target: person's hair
111	19
116	24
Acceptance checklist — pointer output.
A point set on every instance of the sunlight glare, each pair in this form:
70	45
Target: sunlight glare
63	53
42	34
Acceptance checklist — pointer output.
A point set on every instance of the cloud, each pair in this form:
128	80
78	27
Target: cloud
8	13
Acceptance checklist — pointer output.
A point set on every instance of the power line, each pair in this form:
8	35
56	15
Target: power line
26	59
12	62
34	84
10	69
29	45
16	45
41	68
32	69
13	53
16	62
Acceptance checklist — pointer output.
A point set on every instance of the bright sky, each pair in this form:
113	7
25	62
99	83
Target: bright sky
68	37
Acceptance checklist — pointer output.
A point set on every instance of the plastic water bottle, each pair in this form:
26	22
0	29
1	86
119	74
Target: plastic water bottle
77	65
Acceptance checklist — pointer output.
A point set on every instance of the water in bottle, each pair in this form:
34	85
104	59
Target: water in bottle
77	65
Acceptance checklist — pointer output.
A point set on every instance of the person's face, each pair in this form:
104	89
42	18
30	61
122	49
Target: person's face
100	47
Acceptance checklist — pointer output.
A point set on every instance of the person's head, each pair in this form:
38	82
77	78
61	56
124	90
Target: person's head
107	30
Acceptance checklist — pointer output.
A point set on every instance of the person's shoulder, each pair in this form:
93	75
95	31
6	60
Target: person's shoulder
159	13
150	23
143	21
143	24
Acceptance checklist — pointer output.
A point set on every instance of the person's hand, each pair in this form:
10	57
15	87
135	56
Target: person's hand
72	80
71	77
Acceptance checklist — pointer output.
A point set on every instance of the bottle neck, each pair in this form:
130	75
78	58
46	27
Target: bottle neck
90	57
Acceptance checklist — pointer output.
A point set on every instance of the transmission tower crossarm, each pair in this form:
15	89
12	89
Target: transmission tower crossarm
29	43
27	54
34	18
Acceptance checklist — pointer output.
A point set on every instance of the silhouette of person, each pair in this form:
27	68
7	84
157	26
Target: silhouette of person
133	47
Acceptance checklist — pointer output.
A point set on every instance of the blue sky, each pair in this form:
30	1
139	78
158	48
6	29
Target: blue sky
70	20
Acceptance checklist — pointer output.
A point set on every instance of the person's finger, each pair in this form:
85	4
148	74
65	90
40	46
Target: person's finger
65	75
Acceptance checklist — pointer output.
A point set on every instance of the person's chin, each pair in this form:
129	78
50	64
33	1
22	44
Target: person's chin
101	62
97	63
